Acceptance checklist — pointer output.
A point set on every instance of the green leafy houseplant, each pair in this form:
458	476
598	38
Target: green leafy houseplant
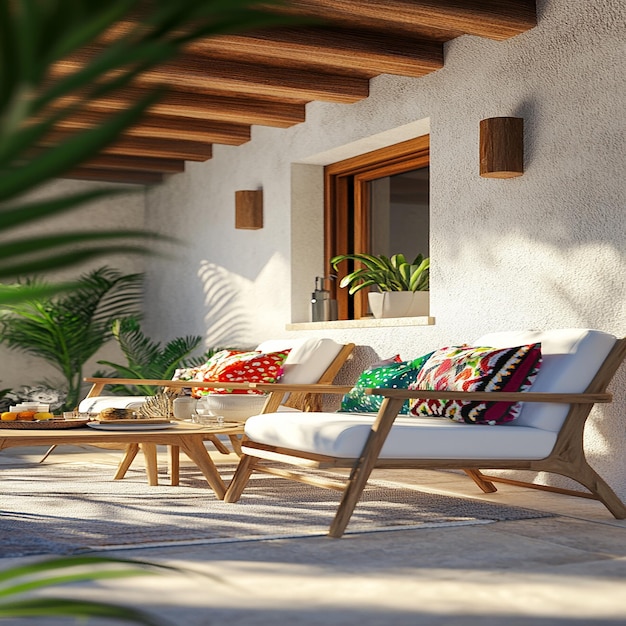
388	274
149	359
67	329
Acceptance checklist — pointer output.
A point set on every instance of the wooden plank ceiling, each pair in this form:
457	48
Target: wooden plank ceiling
222	86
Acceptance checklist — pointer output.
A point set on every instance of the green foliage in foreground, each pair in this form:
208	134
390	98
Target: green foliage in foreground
37	35
18	583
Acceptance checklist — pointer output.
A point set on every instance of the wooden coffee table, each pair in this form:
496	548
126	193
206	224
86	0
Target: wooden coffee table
187	437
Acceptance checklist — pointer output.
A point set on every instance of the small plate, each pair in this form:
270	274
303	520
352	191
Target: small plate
137	425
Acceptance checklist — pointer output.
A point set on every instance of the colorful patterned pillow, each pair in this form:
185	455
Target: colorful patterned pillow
393	374
468	368
237	367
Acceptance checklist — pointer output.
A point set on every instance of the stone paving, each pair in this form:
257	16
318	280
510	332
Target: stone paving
568	569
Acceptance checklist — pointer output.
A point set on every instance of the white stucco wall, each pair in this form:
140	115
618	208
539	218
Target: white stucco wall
123	212
541	251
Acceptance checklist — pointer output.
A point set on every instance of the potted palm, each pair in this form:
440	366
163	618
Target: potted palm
403	287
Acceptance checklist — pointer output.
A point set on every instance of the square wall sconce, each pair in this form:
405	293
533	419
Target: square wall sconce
249	209
502	147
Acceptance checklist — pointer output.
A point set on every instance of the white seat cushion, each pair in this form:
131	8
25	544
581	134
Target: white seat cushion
343	435
571	358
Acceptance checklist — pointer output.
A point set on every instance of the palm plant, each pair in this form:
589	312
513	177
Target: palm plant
35	36
147	358
388	274
66	330
18	581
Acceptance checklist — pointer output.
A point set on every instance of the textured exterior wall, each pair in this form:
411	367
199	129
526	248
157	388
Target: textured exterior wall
544	250
125	212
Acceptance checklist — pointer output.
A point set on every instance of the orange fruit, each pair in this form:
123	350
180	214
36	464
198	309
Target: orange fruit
43	416
8	416
26	416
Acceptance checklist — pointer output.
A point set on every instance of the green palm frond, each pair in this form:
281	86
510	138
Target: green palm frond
18	581
66	330
146	358
35	37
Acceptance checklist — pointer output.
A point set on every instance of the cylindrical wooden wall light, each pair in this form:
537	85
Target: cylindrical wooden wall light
502	147
249	209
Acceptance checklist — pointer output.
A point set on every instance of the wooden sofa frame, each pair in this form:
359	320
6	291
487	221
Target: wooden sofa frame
301	399
567	457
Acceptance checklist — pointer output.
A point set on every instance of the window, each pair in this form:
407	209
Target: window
377	203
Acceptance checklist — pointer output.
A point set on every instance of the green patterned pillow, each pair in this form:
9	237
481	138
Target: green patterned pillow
393	375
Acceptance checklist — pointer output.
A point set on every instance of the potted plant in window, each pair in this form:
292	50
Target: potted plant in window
403	287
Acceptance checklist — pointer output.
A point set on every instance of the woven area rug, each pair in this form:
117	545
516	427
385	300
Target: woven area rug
67	508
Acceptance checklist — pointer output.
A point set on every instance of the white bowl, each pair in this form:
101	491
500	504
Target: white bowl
233	407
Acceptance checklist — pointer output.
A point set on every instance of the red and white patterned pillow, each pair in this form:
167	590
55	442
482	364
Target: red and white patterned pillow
468	368
234	366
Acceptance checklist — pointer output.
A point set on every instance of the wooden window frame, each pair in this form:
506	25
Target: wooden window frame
347	207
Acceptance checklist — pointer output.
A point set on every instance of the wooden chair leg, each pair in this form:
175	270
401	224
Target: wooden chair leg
240	479
588	477
478	477
129	456
363	468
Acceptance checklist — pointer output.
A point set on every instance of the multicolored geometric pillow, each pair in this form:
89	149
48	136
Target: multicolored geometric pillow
467	368
235	366
393	374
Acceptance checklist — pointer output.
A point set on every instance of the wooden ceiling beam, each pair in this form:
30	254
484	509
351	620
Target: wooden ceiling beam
494	19
329	49
221	86
210	105
167	126
145	146
132	177
246	78
142	164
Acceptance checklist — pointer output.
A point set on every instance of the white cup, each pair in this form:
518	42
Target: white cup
184	407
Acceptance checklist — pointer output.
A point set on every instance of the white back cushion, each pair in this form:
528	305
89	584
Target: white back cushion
308	359
305	364
571	358
99	403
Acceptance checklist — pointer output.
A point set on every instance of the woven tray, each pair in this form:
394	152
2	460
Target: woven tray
44	424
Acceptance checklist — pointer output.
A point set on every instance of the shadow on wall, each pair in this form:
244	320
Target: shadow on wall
226	321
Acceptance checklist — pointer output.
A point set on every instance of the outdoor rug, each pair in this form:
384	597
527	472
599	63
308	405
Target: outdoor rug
71	508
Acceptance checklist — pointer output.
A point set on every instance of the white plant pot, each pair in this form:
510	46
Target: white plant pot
399	303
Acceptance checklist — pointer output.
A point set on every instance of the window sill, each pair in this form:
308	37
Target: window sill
366	322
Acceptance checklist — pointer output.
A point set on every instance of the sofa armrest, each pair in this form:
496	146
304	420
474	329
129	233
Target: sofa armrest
279	388
494	396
